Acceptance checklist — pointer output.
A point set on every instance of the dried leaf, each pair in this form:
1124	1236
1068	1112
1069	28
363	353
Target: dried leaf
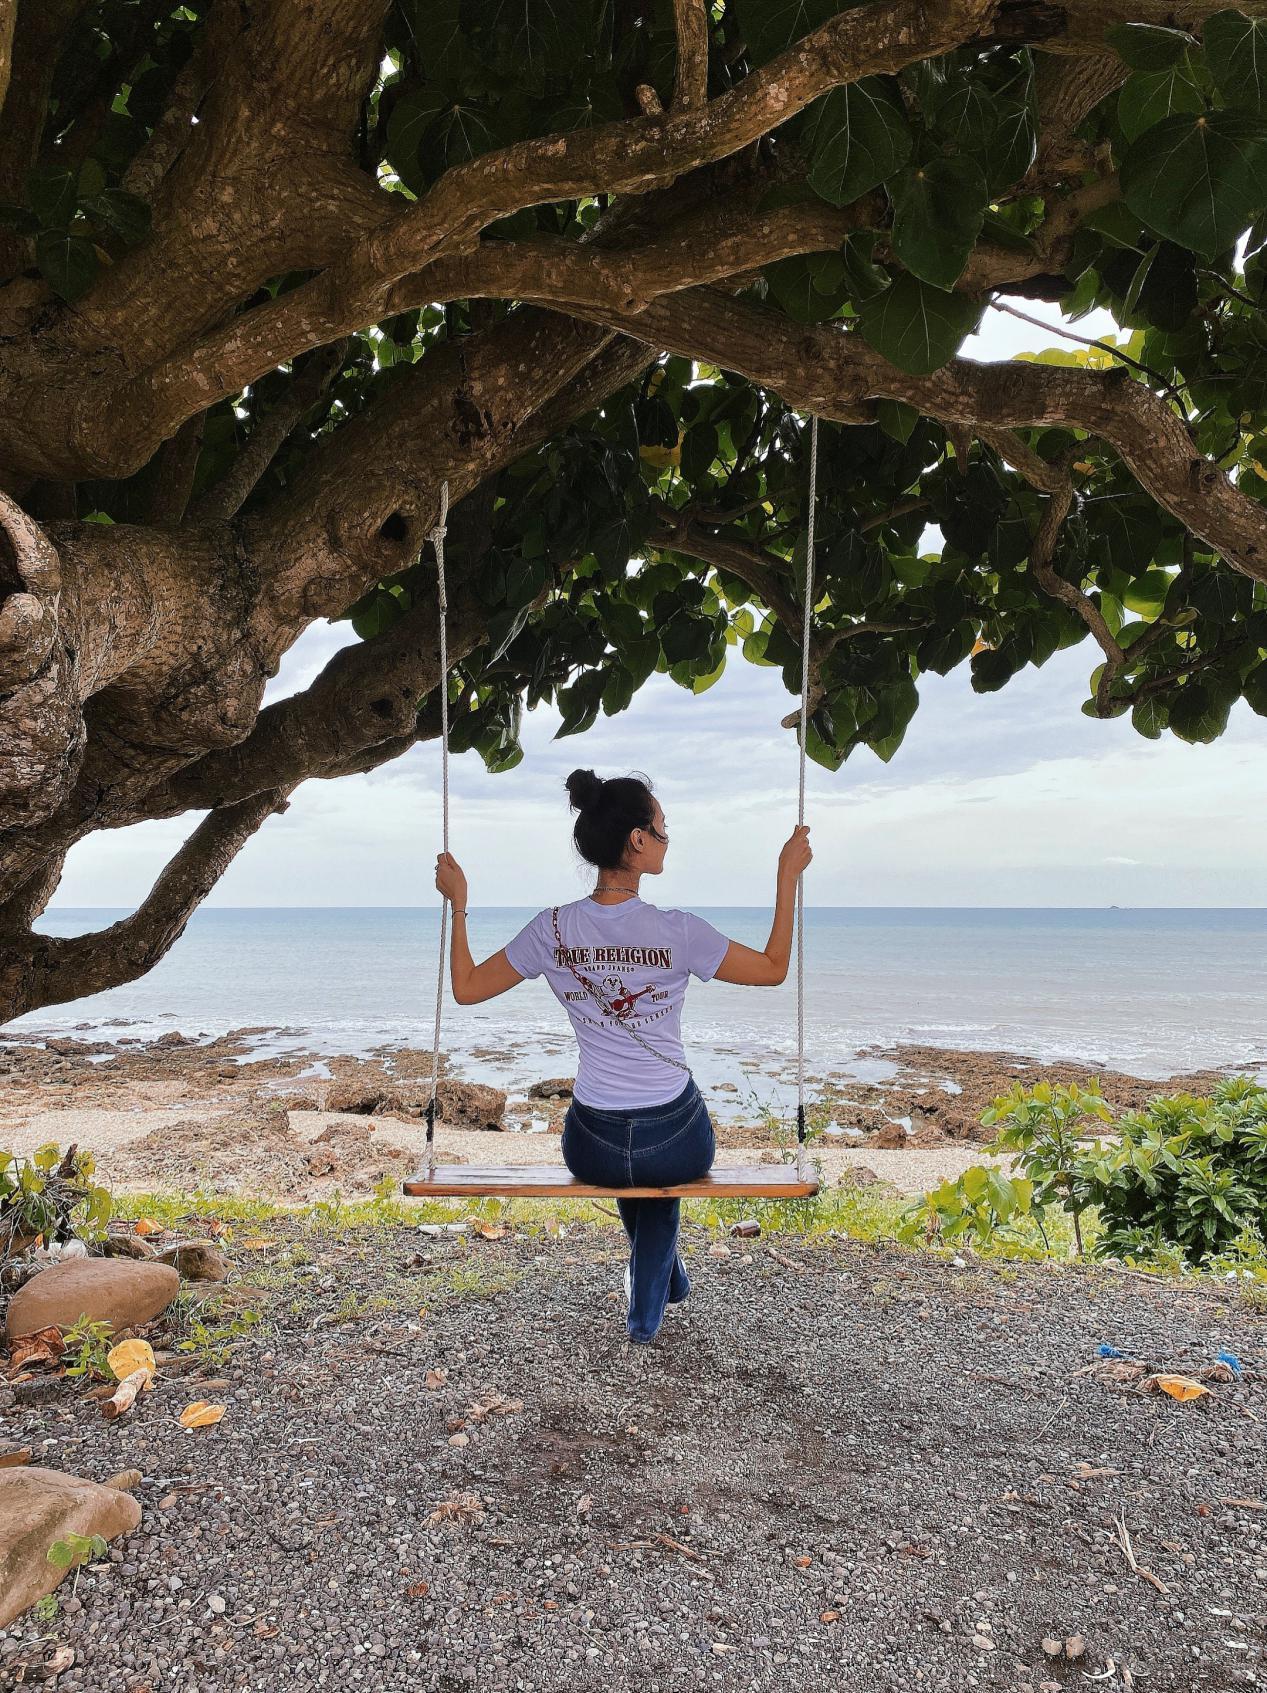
131	1355
42	1346
418	1590
460	1507
489	1231
829	1616
147	1225
437	1378
256	1244
1182	1388
200	1414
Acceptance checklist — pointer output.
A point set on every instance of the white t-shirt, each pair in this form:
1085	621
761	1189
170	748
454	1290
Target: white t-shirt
640	959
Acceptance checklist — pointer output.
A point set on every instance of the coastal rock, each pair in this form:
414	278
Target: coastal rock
196	1260
112	1290
891	1138
358	1098
559	1088
470	1105
38	1507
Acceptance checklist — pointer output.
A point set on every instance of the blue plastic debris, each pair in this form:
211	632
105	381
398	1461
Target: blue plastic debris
1107	1351
1232	1361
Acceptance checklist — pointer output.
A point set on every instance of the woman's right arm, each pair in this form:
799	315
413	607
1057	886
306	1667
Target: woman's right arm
472	983
746	966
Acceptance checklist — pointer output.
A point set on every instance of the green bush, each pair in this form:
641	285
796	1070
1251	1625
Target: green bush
1040	1127
1186	1172
50	1194
1185	1178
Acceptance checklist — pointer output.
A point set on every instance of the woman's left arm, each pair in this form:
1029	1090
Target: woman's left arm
472	983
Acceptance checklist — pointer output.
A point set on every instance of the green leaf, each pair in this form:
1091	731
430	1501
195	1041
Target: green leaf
68	262
896	419
412	115
1236	52
1255	689
699	449
857	137
374	612
1149	96
1146	47
1198	181
1013	145
1147	593
538	36
917	327
52	192
1150	717
1199	713
126	214
942	649
618	690
792	286
1220	595
768	26
938	208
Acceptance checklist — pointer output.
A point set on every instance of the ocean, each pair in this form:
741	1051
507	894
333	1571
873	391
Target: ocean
1151	992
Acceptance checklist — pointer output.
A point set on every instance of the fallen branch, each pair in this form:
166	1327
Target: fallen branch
1124	1541
124	1396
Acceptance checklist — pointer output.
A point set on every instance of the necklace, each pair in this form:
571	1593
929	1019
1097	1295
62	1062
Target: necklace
612	889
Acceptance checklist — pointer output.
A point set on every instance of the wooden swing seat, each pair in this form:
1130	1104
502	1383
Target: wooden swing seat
548	1181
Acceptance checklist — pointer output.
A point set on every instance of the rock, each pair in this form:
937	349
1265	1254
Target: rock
126	1246
559	1088
38	1507
891	1138
470	1105
112	1290
196	1260
360	1098
858	1175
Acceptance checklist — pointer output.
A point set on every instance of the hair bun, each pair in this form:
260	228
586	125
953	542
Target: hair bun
585	789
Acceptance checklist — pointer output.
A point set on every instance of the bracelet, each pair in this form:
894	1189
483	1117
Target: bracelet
459	913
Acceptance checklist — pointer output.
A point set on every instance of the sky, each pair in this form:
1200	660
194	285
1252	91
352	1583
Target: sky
1006	799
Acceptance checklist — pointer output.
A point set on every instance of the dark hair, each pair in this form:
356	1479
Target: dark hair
607	812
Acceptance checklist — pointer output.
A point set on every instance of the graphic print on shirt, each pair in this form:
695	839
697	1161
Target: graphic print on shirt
621	1001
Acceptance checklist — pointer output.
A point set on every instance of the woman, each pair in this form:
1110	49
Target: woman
620	967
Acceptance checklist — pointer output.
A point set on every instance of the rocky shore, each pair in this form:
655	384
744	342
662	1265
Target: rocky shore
235	1113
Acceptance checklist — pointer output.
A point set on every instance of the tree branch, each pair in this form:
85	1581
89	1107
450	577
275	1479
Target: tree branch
823	368
311	379
690	86
38	970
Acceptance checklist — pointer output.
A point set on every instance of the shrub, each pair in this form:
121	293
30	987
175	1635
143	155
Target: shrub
1187	1171
1040	1126
50	1194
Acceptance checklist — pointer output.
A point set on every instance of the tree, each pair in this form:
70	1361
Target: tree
272	273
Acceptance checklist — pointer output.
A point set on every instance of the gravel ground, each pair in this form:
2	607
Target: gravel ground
840	1467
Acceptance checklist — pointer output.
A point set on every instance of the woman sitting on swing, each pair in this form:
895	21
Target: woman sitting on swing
620	967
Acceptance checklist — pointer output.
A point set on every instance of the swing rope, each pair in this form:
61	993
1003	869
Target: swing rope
807	609
437	542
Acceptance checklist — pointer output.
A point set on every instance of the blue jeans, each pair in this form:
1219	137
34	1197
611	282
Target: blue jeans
652	1146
